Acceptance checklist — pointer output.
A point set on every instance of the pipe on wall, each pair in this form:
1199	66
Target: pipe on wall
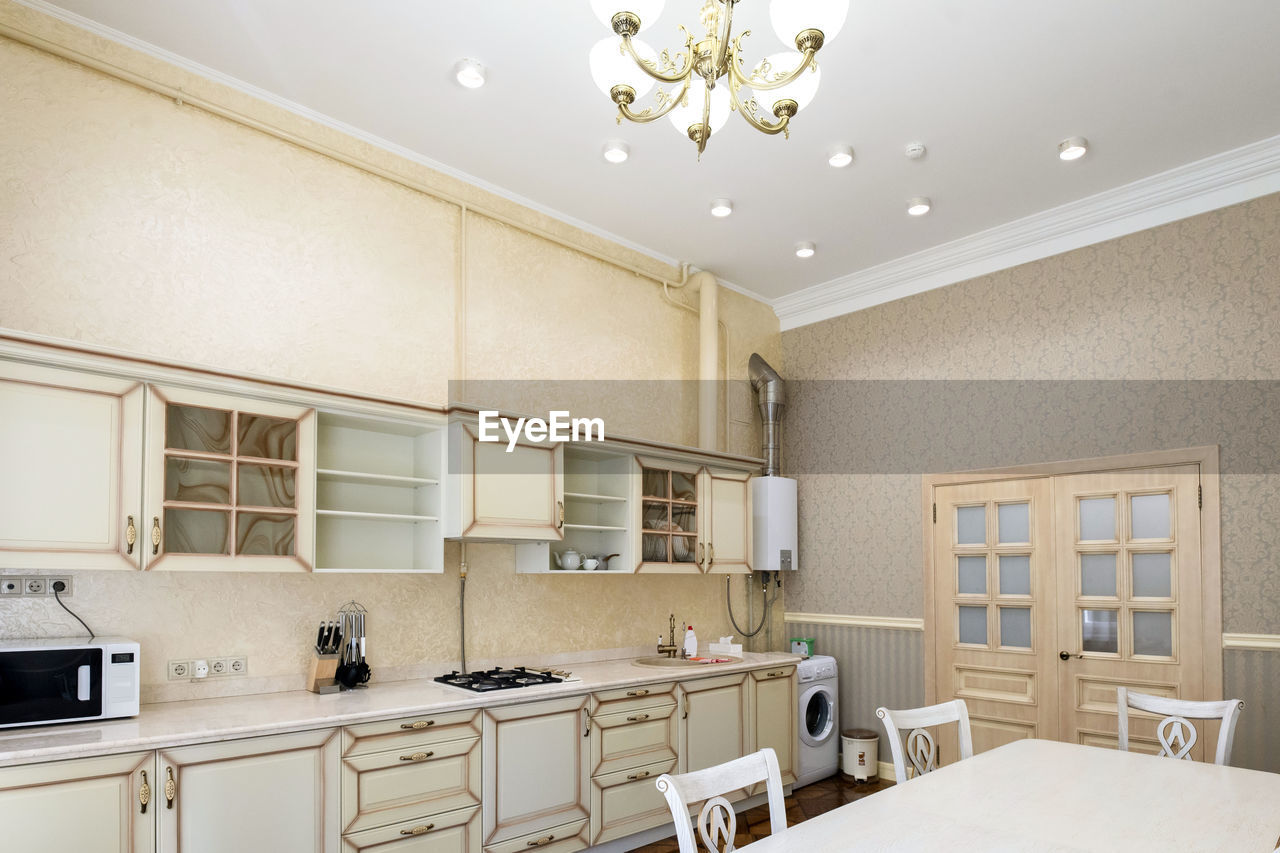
708	290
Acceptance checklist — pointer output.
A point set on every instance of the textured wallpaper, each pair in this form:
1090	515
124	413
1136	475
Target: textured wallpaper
129	221
1197	299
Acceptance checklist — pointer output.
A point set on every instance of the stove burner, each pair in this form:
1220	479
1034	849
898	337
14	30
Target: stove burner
498	679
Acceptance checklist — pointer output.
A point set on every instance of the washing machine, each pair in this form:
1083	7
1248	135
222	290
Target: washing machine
818	750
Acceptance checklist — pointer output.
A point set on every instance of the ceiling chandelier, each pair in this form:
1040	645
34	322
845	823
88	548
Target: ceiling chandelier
692	97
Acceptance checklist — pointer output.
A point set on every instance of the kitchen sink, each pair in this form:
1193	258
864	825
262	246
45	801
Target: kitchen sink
662	661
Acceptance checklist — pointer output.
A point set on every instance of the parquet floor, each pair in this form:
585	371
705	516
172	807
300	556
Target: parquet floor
807	802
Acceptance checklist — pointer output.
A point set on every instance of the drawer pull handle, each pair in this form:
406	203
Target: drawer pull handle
155	536
170	789
637	692
130	535
541	841
418	830
420	724
775	674
144	793
418	756
637	718
641	775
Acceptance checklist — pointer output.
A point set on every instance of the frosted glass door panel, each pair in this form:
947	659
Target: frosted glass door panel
1014	523
1015	627
973	625
1099	630
971	525
1152	575
972	575
1098	519
1098	575
1153	633
1150	516
1015	574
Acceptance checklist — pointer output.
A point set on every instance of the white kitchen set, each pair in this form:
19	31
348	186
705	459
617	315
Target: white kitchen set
165	469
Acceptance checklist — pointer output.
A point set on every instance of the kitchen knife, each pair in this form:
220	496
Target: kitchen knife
320	640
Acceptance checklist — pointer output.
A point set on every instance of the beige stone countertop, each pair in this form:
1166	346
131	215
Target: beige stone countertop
169	724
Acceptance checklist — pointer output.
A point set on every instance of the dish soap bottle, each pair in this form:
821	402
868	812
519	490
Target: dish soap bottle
690	642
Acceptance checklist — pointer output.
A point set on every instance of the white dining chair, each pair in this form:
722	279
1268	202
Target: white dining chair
920	748
1175	732
717	823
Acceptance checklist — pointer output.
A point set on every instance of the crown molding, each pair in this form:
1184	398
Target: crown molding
238	85
1218	181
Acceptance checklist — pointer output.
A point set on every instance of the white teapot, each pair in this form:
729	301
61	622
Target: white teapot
570	559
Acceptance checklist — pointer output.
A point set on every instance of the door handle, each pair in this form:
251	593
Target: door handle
1069	656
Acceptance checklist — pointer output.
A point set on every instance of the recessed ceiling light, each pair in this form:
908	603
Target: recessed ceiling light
469	73
721	208
1073	148
616	151
840	156
914	150
919	206
805	250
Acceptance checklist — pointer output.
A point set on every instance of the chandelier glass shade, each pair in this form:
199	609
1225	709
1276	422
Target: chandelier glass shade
699	84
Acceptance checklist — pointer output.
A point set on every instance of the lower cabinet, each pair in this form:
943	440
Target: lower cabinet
774	705
277	793
88	805
628	801
714	722
536	759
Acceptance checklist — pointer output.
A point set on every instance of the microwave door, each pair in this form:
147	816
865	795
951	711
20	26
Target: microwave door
50	685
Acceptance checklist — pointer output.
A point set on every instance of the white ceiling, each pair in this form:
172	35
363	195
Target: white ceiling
990	86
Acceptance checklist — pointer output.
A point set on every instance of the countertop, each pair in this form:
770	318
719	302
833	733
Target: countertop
169	724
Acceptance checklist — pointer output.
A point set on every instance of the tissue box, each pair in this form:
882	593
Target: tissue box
734	649
802	646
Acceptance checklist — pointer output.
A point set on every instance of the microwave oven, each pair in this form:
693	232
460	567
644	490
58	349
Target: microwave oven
67	681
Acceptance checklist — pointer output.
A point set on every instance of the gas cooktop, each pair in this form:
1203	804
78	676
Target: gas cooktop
500	679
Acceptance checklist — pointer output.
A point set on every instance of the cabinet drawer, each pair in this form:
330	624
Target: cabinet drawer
424	730
403	784
630	698
455	832
785	671
628	801
622	741
565	838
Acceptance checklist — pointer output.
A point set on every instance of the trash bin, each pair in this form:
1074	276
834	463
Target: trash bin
860	754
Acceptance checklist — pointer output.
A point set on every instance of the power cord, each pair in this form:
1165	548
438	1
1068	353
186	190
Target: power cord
59	586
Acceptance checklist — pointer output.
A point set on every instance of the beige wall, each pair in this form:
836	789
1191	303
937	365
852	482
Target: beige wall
133	222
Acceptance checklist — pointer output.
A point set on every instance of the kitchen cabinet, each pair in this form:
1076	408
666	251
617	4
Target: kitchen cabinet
277	793
379	494
714	722
88	805
71	453
230	482
727	524
597	514
536	787
773	703
501	495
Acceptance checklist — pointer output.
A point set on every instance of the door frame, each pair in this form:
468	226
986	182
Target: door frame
1206	456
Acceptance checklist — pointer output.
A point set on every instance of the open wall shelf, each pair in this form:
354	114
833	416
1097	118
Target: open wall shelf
597	510
378	495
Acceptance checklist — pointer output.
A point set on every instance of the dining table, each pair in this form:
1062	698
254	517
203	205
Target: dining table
1048	796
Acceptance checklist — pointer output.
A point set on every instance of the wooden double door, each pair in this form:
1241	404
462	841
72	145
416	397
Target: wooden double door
1050	592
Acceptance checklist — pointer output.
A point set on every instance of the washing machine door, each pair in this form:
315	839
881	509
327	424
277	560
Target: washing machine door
817	715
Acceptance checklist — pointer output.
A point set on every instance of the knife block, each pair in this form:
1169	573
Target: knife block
323	670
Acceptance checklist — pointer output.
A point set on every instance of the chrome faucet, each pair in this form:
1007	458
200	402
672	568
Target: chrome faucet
669	648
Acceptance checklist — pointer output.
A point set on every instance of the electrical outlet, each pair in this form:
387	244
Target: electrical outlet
239	666
219	666
11	586
179	670
34	586
65	592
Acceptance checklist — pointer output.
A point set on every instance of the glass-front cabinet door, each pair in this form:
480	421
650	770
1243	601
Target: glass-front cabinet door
228	478
669	529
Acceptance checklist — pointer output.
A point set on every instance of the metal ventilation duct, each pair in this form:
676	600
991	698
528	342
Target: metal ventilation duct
771	397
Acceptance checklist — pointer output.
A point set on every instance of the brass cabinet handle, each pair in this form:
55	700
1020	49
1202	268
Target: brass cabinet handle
130	535
775	674
144	794
418	830
418	724
418	756
586	732
700	555
711	555
541	841
560	515
155	536
641	775
637	692
637	718
685	703
170	789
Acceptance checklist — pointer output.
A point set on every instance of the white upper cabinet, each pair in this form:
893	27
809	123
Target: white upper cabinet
230	483
501	495
691	518
727	520
70	453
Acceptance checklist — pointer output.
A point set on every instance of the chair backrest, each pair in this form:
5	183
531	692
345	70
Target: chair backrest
920	748
717	823
1175	732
